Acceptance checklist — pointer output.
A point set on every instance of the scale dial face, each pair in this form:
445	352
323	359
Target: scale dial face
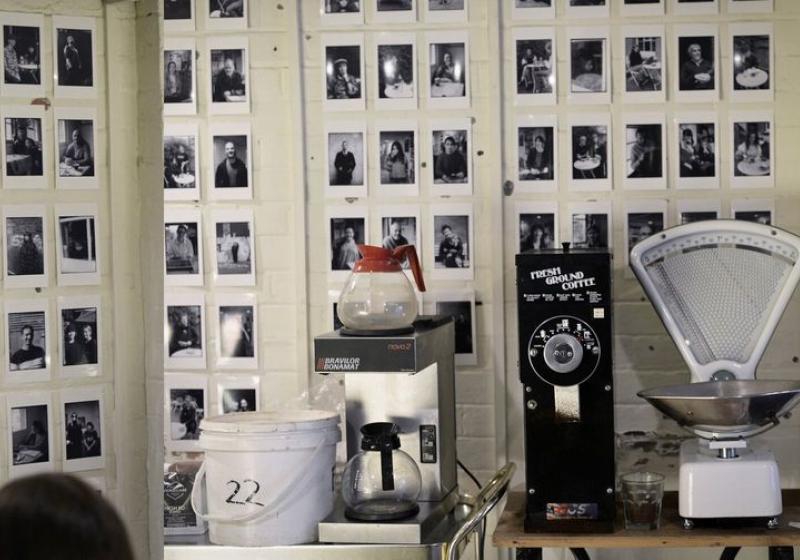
564	351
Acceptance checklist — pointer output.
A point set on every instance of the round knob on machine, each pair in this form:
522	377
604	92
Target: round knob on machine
563	353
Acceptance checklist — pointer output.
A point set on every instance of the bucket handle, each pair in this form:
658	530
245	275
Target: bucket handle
267	510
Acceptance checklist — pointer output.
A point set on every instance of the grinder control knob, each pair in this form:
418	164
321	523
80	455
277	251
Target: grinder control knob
563	353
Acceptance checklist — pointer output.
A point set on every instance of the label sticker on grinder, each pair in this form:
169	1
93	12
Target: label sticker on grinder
556	511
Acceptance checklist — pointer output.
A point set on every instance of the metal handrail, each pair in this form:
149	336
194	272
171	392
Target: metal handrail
487	498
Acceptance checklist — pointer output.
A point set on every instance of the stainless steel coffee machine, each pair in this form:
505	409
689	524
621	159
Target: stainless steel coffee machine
407	379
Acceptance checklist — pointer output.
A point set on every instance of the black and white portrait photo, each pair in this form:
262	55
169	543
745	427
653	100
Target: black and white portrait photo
184	331
218	9
696	56
178	76
535	66
643	151
30	437
78	248
643	7
448	70
451	246
590	231
236	331
228	76
697	149
763	217
536	231
27	341
79	336
343	72
642	225
24	144
231	157
342	6
450	156
444	5
690	217
239	400
589	152
346	165
396	72
180	162
75	147
394	5
234	248
25	246
82	427
751	62
752	143
461	312
524	4
588	72
397	157
536	153
177	10
75	57
345	236
181	248
22	63
644	64
397	231
187	408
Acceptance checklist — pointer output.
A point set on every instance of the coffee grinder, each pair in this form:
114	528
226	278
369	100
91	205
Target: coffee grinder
564	315
406	378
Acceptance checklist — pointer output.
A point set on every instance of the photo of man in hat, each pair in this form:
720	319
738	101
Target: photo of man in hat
343	72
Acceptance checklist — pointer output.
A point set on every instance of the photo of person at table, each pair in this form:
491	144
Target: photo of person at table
535	68
229	76
451	242
79	337
763	217
590	152
643	64
29	441
697	150
399	231
75	148
751	142
535	153
343	71
395	71
25	246
536	231
75	62
185	331
230	156
450	153
181	248
23	147
448	69
178	79
587	68
751	62
643	151
696	61
21	55
226	8
590	231
179	162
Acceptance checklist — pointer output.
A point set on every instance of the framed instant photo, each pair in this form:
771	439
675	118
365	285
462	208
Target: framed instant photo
26	157
180	77
30	433
237	393
758	210
400	225
537	226
394	11
589	65
84	437
181	163
537	153
229	70
184	331
697	57
694	7
750	6
74	59
179	15
77	254
446	11
237	331
346	159
645	139
753	146
23	69
590	225
79	329
448	70
185	405
753	61
396	83
343	82
698	210
590	157
534	50
341	12
183	247
644	63
642	7
450	157
27	340
76	148
226	14
231	162
587	8
643	218
696	155
234	247
526	10
347	228
25	246
460	305
451	255
397	158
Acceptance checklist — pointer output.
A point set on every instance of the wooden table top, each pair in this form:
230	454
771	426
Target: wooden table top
510	534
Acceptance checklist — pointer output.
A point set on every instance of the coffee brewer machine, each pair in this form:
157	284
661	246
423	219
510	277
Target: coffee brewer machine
408	380
564	313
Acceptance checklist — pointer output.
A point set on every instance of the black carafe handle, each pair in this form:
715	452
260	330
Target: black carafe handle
387	468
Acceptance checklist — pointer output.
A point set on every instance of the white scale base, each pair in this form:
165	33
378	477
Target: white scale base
712	488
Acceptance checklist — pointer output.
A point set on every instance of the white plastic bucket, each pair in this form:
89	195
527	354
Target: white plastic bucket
268	476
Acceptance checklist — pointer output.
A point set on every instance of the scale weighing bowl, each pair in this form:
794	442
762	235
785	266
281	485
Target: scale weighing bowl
726	410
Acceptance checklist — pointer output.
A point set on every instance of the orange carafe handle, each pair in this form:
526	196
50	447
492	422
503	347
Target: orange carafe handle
409	252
